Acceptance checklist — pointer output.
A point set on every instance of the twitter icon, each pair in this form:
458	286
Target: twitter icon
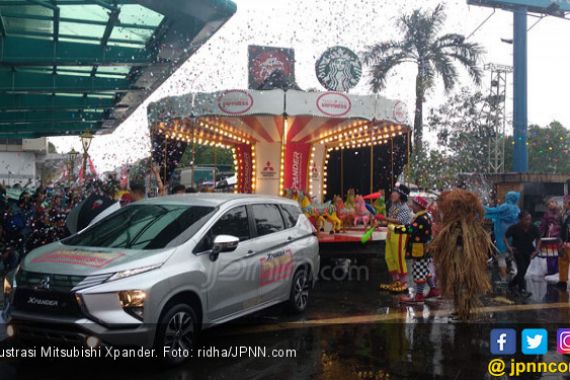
534	341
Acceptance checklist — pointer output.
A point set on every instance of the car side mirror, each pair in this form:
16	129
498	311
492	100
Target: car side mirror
223	243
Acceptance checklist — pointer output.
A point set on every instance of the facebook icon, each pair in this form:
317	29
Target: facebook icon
503	341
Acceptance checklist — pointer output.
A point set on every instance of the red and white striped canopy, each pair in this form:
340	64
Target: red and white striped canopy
264	116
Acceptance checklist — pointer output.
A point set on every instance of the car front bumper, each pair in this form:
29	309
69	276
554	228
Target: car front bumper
33	328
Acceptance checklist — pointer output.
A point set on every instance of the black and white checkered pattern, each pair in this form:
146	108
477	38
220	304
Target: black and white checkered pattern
402	212
421	269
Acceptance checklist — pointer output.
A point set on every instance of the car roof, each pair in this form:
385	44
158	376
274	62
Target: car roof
214	199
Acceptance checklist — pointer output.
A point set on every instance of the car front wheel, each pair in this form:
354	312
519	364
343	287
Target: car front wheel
176	335
300	288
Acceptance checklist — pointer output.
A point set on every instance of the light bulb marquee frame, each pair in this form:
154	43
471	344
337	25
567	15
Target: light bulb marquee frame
359	134
212	131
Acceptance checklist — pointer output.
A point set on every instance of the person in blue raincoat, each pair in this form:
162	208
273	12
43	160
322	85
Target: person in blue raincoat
503	216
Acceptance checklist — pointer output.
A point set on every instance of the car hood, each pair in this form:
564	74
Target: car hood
57	258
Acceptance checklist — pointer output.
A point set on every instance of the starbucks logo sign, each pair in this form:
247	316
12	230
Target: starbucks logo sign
339	69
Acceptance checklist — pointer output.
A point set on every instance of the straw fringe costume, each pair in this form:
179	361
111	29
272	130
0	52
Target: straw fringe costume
460	251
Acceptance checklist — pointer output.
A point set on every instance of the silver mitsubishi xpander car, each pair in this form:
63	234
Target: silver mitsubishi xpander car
155	272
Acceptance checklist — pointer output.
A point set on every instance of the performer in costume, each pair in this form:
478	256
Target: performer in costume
398	214
503	216
460	251
419	232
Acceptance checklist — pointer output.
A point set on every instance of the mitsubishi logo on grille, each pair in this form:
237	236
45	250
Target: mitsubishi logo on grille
44	283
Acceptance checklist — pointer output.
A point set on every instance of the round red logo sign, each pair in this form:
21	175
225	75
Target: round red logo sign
334	104
400	114
235	102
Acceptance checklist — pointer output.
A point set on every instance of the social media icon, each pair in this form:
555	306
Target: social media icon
534	341
503	341
563	341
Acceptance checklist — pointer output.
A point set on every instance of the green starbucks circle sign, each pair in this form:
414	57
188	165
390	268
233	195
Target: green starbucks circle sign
338	69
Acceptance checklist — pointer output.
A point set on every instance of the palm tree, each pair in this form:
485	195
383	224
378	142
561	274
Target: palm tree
433	54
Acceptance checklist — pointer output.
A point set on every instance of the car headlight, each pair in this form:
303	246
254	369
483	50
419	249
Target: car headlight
132	272
7	288
132	302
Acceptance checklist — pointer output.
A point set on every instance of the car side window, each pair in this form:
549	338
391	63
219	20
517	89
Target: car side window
268	219
234	222
290	214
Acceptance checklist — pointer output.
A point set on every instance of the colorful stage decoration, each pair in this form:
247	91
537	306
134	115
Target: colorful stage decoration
317	213
279	139
345	214
336	212
361	213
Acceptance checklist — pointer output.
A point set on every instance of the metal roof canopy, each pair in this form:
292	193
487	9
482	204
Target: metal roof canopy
71	65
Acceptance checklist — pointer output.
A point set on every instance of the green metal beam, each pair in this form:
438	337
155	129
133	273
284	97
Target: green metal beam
77	21
19	32
55	102
101	73
113	20
106	5
19	51
33	82
2	25
50	117
21	136
64	2
56	19
42	4
46	127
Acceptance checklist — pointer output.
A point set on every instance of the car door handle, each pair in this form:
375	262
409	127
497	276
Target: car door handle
290	238
250	253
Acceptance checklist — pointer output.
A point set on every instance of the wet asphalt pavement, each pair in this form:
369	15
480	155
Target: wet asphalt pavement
350	331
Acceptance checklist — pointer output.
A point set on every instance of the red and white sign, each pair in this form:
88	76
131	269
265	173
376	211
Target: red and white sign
235	102
296	166
400	114
334	104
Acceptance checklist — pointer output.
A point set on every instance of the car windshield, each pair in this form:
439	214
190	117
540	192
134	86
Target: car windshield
140	227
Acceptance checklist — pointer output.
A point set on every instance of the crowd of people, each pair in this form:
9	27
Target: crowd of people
32	218
35	217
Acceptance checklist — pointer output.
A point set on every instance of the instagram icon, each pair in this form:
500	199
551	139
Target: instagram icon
563	341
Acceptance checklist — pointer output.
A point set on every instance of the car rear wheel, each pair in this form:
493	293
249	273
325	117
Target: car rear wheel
299	297
176	335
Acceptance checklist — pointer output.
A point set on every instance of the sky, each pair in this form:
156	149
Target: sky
310	26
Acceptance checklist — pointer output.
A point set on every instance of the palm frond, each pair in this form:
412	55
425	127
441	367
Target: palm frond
467	53
445	68
376	53
438	17
471	65
380	70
